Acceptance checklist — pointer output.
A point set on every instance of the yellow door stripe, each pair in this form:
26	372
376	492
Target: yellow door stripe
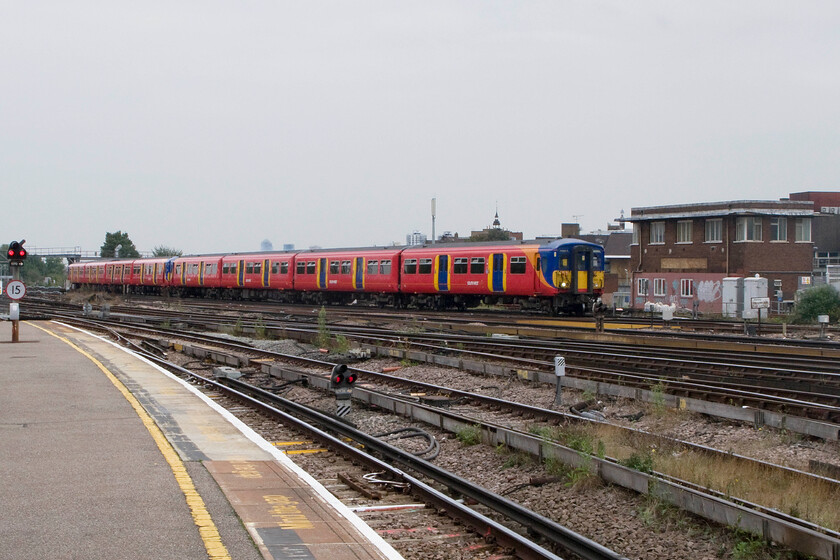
216	550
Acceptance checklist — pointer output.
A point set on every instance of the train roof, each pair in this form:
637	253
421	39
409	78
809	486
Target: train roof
554	244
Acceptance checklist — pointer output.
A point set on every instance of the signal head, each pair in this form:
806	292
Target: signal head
16	253
340	378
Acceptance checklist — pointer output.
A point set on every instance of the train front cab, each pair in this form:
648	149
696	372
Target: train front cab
577	273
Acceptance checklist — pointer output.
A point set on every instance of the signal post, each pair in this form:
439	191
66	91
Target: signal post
16	289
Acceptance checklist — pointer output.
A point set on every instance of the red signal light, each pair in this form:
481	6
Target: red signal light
17	254
341	378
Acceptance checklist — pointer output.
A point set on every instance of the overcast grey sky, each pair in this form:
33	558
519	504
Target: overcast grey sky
210	126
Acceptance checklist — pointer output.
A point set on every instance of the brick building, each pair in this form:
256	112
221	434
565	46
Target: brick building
681	254
826	234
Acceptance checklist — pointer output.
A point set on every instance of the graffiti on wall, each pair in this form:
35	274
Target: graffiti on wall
708	290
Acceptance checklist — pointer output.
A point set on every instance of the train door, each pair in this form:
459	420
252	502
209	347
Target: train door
266	274
359	278
322	274
240	273
497	272
582	270
442	278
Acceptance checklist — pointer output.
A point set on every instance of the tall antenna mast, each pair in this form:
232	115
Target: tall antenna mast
433	219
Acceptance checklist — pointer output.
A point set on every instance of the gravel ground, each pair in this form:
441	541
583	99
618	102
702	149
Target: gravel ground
636	526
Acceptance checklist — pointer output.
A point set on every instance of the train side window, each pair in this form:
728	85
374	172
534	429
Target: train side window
517	265
410	266
334	267
177	269
310	267
477	265
346	267
249	268
284	267
425	266
372	267
258	267
301	267
596	260
460	265
385	267
137	269
275	267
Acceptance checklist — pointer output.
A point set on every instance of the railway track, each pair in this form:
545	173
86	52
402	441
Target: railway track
532	412
380	457
806	386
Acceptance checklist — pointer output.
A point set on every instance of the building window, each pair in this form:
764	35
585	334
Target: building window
748	229
657	233
517	265
778	229
636	228
684	231
803	229
659	287
642	286
714	231
686	287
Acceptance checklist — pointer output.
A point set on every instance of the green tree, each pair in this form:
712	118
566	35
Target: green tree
164	251
491	235
822	300
121	240
40	271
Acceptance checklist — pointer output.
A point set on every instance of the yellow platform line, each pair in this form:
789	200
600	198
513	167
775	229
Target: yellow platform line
216	550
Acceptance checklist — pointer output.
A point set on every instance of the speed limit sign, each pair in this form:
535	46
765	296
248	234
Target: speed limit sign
16	289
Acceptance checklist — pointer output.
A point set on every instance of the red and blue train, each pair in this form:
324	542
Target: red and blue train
559	276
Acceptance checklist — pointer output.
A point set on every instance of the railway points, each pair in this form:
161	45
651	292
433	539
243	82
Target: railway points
106	455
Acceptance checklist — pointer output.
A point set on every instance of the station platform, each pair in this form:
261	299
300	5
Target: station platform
105	455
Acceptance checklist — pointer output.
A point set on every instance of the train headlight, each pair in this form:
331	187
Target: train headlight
564	285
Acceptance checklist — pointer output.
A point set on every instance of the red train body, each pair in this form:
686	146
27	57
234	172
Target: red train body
564	275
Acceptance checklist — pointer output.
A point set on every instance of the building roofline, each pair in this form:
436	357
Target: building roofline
798	208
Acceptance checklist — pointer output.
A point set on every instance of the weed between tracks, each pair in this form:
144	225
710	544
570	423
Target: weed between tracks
810	499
